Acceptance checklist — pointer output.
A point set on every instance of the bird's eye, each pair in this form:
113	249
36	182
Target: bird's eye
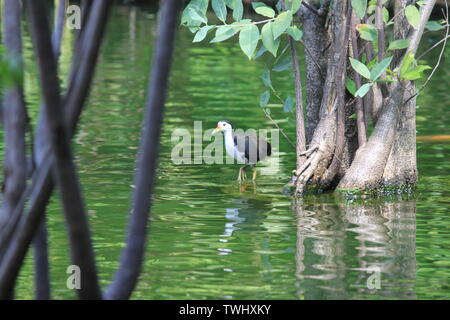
224	124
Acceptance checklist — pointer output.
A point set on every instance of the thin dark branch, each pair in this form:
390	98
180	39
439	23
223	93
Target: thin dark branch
380	27
40	245
26	228
300	121
59	27
441	54
126	276
433	47
360	118
321	12
311	8
65	171
299	118
42	186
41	265
14	115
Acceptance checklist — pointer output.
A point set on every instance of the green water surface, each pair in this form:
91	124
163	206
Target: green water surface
210	238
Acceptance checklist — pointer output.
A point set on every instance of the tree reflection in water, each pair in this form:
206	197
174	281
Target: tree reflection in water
340	245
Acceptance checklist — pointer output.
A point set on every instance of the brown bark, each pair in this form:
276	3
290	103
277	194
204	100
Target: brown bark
315	41
322	148
300	128
367	168
359	108
372	162
401	168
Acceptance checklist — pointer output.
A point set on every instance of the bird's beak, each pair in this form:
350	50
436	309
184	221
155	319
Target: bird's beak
217	129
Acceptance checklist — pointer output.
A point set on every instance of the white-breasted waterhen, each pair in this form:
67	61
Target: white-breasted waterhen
245	147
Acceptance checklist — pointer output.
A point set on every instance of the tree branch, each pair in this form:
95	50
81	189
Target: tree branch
360	118
42	186
425	12
65	171
14	115
126	276
300	127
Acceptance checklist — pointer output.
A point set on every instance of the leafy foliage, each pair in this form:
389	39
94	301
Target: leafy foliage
412	15
410	69
269	31
372	75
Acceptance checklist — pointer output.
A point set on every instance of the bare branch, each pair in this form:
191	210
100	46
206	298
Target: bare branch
380	27
360	118
425	12
126	276
14	115
300	121
65	172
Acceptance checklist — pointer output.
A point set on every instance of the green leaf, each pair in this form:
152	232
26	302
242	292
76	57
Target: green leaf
385	15
415	73
293	5
288	104
362	91
406	63
262	9
200	6
197	15
201	33
264	99
360	7
412	15
267	39
434	26
379	68
238	9
260	52
224	33
248	39
353	116
367	32
266	78
360	68
220	9
283	64
295	33
412	75
350	85
281	23
398	44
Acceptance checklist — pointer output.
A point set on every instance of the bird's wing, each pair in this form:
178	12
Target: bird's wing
253	148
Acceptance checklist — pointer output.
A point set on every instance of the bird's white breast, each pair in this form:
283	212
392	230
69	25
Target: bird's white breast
232	149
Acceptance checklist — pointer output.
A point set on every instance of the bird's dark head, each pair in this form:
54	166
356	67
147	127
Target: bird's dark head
223	125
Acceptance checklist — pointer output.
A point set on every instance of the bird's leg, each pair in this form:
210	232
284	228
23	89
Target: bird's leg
254	174
242	176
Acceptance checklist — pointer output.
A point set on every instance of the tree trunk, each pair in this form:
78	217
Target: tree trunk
387	159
